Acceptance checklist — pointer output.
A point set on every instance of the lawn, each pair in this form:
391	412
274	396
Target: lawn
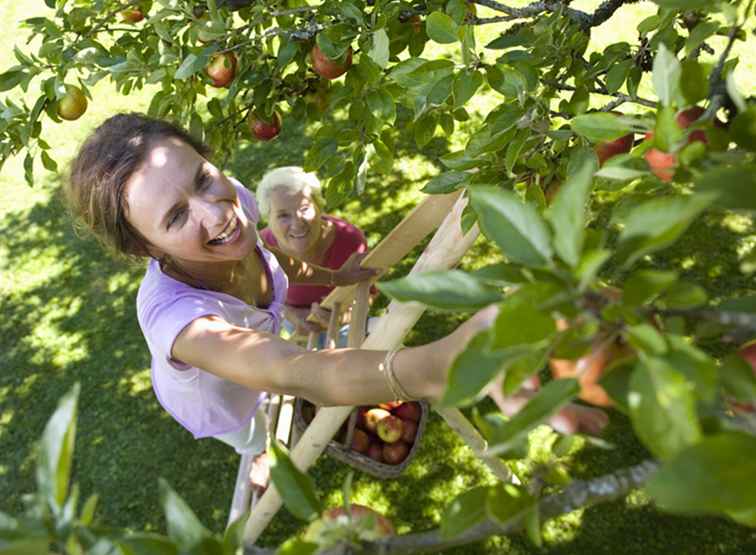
68	316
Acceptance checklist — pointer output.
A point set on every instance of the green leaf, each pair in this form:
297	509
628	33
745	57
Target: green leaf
645	337
508	501
447	290
446	182
191	65
11	78
567	214
662	408
735	187
48	162
644	285
514	226
683	4
379	52
693	82
467	510
617	75
147	544
547	401
684	295
657	223
718	475
466	84
666	76
738	380
474	368
56	451
500	273
183	525
441	28
296	488
697	367
743	129
522	306
88	510
297	546
700	33
601	126
507	80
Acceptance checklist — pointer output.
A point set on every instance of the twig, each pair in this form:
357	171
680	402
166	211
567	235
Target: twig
577	495
601	90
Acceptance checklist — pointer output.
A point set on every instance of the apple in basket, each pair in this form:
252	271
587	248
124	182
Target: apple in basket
408	411
409	431
360	441
375	451
395	453
390	428
373	416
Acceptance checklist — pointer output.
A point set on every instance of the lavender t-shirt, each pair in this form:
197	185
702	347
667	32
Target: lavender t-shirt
203	403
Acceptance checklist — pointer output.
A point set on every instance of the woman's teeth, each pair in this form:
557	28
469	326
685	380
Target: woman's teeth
224	237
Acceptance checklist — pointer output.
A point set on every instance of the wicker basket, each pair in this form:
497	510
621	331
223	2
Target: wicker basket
357	460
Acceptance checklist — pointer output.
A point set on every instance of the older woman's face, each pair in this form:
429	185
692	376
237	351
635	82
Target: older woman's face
186	208
294	220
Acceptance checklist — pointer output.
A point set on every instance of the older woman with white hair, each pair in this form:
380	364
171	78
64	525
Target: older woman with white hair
290	200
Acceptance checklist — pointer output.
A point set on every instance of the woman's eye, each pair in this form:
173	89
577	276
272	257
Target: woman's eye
176	217
205	181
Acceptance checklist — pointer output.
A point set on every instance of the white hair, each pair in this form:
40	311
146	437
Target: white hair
292	179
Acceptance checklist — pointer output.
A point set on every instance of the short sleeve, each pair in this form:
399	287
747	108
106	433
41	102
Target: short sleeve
247	200
162	318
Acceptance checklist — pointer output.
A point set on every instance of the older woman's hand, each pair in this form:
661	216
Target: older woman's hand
351	272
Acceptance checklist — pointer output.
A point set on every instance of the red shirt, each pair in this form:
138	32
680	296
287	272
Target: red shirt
348	239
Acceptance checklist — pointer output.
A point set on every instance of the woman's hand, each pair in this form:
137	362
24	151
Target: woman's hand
351	272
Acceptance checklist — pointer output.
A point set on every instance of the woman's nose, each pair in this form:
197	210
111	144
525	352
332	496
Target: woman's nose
211	215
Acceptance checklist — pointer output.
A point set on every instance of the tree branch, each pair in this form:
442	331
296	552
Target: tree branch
603	13
577	495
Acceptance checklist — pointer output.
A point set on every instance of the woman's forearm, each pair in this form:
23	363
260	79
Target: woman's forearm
353	376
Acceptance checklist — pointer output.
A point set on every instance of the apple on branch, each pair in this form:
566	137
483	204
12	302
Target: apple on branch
370	524
662	163
222	69
264	129
73	104
328	68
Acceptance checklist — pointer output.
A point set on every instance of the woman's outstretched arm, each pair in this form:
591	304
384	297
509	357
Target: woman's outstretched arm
262	361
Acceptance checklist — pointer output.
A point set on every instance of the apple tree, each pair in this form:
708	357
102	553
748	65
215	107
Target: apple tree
589	163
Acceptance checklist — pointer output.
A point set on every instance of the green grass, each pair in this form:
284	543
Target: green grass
68	316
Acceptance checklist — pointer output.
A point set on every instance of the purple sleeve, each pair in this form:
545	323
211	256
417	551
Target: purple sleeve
247	200
163	317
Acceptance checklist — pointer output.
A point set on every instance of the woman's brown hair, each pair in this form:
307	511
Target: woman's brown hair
103	166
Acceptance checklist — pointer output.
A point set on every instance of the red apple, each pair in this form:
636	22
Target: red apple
409	411
409	431
222	69
390	428
606	150
132	15
263	129
73	104
373	416
383	525
361	411
748	353
390	405
360	441
322	529
327	68
662	163
394	453
375	452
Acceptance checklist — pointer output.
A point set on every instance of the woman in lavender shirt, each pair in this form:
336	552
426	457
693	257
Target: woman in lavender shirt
210	302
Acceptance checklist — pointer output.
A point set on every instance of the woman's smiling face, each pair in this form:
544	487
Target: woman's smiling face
186	208
294	220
